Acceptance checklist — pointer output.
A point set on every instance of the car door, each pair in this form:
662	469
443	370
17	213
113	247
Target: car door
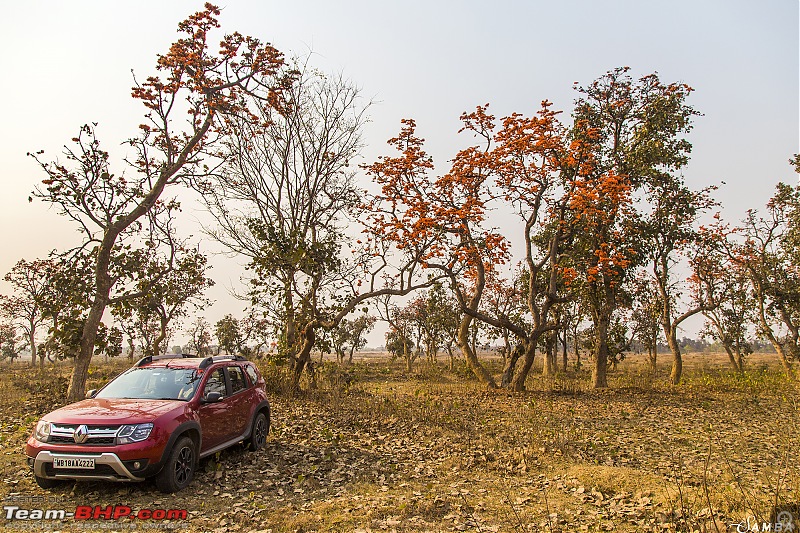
239	402
213	416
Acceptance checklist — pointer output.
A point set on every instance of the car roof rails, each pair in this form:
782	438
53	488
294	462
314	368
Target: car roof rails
150	358
205	363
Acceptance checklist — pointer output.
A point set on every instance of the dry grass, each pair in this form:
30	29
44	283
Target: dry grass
377	449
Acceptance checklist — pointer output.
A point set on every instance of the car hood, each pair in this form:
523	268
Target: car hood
101	411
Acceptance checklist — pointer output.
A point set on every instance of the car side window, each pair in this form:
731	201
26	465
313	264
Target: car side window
236	375
216	383
251	373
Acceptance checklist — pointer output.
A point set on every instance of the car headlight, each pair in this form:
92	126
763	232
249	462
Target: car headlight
133	433
42	432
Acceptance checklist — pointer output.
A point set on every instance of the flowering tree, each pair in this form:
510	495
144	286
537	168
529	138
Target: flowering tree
207	86
535	169
633	131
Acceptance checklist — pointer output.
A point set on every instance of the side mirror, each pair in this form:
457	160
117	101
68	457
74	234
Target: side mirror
90	393
212	397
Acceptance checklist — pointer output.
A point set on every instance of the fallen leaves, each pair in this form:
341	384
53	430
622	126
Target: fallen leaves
448	457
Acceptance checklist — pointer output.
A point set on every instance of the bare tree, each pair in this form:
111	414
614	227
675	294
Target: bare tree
286	196
29	280
200	331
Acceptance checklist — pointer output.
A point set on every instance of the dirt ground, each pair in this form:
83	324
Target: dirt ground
377	449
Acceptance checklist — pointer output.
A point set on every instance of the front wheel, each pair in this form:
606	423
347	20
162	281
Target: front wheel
258	436
179	468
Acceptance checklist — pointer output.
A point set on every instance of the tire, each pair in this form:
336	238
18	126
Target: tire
47	483
258	435
179	468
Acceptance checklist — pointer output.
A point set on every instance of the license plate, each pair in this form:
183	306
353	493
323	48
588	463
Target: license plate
73	462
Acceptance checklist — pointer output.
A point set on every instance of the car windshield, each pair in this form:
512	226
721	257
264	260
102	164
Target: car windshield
156	383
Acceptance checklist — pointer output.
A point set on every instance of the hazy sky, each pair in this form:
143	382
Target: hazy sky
68	63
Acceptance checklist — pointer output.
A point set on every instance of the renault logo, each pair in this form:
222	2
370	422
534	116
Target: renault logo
81	434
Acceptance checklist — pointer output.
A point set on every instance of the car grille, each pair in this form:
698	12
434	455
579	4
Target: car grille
92	440
96	435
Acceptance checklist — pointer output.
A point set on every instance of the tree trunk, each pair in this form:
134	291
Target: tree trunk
77	383
48	345
162	334
600	368
408	354
103	284
677	358
736	364
518	383
652	357
474	342
290	327
671	332
507	349
787	365
564	359
469	354
32	340
739	357
549	366
304	357
767	331
511	363
652	352
677	369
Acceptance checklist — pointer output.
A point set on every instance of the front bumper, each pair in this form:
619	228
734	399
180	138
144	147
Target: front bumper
108	467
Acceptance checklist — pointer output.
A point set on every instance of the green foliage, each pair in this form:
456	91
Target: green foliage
170	287
768	253
10	343
639	124
228	334
398	345
440	318
350	336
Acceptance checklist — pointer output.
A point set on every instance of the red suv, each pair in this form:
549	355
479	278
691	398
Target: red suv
156	419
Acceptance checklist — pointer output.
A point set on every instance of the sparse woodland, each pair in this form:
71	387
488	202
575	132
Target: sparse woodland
534	377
